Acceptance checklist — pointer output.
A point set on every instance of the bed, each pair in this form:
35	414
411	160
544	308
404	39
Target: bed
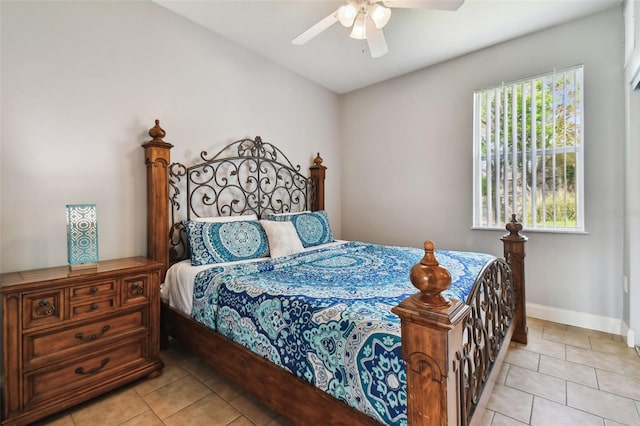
393	344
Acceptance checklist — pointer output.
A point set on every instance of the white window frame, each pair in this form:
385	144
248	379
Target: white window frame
506	137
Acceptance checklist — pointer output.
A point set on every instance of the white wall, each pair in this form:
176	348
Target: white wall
631	300
82	82
407	164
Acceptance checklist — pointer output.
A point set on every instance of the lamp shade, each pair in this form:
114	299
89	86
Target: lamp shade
359	30
82	233
379	15
347	14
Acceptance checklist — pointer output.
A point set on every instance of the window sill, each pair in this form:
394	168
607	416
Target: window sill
533	230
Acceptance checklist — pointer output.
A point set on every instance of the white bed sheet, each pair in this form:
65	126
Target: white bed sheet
177	289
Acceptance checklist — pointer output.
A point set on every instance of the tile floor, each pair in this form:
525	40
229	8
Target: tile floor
564	376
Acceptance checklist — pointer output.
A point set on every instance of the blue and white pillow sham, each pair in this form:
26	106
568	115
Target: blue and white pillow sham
216	242
312	227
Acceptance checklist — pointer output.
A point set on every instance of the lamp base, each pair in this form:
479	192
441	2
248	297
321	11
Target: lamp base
83	267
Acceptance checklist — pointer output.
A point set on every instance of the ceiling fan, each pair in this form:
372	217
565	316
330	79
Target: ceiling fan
367	17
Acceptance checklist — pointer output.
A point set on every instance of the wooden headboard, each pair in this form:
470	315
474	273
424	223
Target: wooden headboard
246	176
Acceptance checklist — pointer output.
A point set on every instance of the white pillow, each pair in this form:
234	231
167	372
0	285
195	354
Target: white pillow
283	238
226	218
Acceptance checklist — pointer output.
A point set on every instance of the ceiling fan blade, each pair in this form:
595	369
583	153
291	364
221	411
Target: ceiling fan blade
316	29
425	4
375	40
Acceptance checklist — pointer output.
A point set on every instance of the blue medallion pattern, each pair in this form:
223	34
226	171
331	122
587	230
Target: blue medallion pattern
325	315
217	242
312	227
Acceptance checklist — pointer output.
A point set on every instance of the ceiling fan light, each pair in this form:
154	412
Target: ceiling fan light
379	15
347	14
359	30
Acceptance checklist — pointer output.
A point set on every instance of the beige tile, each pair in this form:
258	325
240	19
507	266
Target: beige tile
631	366
511	403
602	404
570	371
520	356
200	369
591	333
610	346
619	384
547	412
549	325
535	328
256	412
242	421
545	347
148	418
567	337
608	422
629	353
502	420
537	384
170	373
175	396
223	387
111	409
594	359
60	419
210	410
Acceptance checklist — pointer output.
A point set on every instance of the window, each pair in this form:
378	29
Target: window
528	153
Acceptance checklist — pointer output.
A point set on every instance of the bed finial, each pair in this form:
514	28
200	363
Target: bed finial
514	227
431	278
157	132
318	160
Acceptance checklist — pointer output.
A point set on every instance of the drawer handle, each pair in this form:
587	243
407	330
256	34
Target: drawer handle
93	290
91	337
94	370
137	289
94	306
45	308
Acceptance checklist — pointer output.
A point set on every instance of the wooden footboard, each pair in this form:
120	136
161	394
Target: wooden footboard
453	350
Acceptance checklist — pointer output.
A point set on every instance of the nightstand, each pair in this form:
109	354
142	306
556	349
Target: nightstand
70	336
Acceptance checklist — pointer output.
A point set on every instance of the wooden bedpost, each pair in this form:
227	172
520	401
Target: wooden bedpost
318	174
432	333
514	255
157	157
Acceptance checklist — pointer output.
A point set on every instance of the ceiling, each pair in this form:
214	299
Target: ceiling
417	38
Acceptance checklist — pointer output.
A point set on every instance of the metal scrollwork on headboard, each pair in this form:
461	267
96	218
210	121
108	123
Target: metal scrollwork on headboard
247	176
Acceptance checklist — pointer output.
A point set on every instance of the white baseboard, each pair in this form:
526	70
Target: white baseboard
581	319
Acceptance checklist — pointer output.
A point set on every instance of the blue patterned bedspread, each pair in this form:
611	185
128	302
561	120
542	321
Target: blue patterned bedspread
325	315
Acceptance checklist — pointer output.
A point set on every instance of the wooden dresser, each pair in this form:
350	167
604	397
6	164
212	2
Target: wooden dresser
70	336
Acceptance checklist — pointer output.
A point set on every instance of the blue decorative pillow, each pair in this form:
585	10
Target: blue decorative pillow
217	242
312	227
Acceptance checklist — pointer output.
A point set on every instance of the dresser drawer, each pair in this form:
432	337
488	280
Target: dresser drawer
42	308
92	307
99	289
135	289
45	383
45	347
